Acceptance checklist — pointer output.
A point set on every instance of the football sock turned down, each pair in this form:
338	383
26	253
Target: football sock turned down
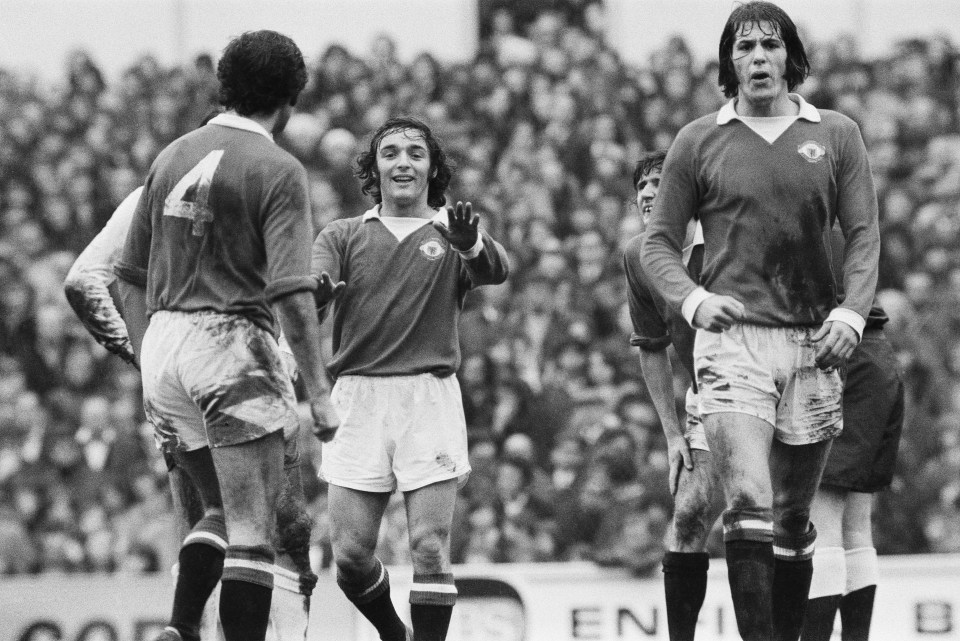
370	594
856	606
748	539
431	604
792	571
826	588
200	565
246	592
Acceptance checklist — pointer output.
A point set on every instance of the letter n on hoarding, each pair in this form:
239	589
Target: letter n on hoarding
649	628
934	617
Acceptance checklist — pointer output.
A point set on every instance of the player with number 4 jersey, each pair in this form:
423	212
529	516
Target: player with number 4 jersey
220	235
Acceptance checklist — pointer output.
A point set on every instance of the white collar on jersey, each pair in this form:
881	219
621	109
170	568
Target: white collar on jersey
239	122
729	113
374	214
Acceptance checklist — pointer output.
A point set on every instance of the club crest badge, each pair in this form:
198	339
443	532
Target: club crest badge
812	151
432	249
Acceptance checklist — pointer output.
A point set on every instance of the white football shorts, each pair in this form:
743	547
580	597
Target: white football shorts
396	432
770	373
694	431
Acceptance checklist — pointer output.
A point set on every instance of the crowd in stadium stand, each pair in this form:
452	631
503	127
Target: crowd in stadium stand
568	458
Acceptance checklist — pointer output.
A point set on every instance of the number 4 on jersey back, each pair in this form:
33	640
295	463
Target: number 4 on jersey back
189	199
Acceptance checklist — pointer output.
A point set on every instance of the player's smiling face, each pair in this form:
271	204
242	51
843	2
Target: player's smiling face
647	188
760	62
403	162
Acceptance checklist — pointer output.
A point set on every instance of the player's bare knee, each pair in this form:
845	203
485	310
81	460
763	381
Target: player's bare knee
294	526
353	556
428	548
689	524
745	499
792	519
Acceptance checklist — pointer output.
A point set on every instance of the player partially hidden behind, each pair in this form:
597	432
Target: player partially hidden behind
767	176
221	232
861	463
87	288
407	263
698	500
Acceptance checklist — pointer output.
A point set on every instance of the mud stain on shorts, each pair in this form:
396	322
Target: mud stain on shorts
443	460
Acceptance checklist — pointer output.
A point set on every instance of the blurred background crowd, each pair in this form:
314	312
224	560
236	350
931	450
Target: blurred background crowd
569	462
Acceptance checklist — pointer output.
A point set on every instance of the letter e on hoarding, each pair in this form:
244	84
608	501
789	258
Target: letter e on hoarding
585	623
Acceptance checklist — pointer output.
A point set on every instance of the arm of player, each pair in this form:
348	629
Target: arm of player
133	301
301	329
87	284
857	213
658	375
661	254
89	296
484	259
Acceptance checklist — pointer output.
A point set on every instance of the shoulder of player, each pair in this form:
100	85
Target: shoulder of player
836	120
631	251
698	128
342	227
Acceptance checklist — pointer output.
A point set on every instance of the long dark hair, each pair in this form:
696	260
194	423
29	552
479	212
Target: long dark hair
439	163
798	67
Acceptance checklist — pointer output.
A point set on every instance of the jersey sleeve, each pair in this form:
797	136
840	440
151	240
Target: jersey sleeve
135	257
677	202
650	332
88	281
287	229
858	215
489	267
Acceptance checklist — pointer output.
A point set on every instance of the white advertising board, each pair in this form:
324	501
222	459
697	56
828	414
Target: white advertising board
918	599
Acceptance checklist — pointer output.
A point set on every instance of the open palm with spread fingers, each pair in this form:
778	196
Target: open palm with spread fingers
327	290
461	229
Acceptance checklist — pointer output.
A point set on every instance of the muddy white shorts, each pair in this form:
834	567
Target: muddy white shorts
770	373
212	379
396	432
694	431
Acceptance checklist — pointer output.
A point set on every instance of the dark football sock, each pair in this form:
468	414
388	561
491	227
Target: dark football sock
684	585
200	567
244	610
371	596
792	572
750	573
856	613
819	620
430	622
432	597
246	592
791	587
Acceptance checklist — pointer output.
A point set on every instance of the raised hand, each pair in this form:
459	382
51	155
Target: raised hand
327	290
461	230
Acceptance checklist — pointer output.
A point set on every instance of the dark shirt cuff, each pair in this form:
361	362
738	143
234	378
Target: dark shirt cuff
289	285
650	344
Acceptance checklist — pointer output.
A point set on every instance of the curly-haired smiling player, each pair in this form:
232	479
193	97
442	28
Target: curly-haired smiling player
220	234
767	176
407	265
